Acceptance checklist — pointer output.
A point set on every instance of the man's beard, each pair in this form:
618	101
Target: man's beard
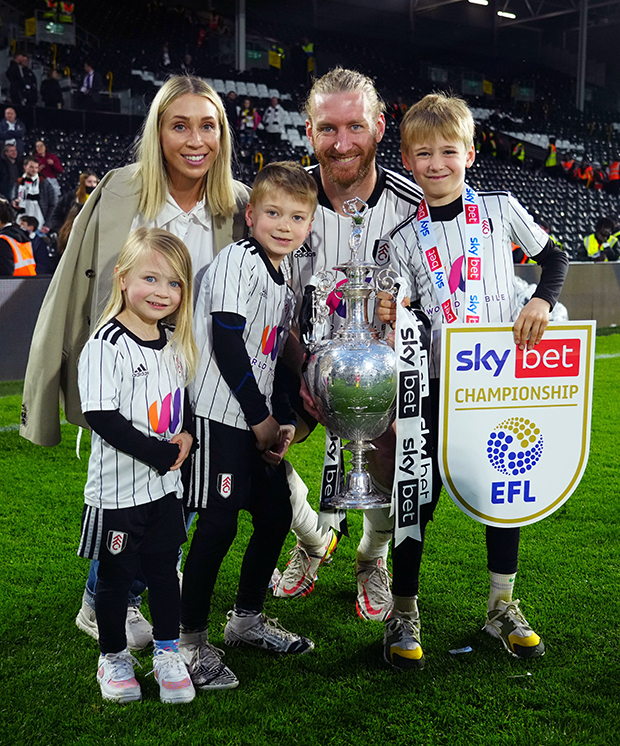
346	181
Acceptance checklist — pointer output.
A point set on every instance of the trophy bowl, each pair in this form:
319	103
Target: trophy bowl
352	378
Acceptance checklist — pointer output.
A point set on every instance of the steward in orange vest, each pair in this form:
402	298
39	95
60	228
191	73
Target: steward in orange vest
16	257
613	184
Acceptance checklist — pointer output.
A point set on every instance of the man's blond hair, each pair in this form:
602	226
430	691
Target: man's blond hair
437	115
341	80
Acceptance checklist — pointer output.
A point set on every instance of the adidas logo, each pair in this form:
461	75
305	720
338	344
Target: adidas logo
303	252
141	370
263	293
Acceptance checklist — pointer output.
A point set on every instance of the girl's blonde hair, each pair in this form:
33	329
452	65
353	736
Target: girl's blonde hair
218	183
174	251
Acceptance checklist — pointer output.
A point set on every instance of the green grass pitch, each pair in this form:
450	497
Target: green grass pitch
342	693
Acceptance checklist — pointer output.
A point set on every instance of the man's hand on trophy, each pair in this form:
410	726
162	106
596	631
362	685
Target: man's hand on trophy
276	453
266	432
308	401
386	308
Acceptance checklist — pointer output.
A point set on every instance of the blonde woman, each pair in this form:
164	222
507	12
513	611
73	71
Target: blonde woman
181	181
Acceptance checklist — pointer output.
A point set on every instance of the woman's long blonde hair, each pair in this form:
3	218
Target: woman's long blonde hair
176	254
218	185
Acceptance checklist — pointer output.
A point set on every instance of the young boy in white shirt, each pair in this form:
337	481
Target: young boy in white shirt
437	147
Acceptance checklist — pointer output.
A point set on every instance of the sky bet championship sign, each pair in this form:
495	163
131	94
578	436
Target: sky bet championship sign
514	426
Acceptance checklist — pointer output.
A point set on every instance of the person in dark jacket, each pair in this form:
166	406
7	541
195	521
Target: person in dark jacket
9	172
12	131
51	93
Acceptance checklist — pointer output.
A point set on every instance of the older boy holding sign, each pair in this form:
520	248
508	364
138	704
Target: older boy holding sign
456	254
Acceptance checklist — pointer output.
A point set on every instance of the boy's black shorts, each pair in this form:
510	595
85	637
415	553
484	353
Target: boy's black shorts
112	535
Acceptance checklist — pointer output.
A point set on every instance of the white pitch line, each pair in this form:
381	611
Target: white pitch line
11	428
607	357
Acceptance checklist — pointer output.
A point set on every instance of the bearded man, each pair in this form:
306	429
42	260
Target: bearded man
345	122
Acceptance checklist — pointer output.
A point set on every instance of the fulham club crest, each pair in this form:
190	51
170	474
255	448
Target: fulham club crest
117	541
225	484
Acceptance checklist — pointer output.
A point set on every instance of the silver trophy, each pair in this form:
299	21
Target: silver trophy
352	376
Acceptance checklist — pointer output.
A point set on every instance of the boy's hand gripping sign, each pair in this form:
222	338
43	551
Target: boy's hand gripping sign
514	425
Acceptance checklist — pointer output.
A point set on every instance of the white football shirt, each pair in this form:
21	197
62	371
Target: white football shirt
507	220
243	281
119	371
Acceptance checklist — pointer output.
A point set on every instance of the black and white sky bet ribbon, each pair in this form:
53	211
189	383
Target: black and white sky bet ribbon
332	482
413	471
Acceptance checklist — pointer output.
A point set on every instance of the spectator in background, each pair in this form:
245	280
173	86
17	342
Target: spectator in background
51	92
551	159
613	176
232	113
16	259
22	82
50	167
13	131
88	182
249	119
9	172
601	246
34	195
44	254
273	121
585	173
92	83
65	229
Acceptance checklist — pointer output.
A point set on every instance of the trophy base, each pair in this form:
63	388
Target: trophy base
359	492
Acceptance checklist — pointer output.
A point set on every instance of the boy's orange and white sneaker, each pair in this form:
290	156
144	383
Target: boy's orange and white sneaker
301	571
116	678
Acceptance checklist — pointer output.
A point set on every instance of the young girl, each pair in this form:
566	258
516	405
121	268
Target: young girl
132	374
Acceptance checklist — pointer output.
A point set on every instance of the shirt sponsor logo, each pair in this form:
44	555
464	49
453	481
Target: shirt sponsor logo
168	416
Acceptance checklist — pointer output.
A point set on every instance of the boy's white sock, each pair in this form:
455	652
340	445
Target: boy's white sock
242	619
378	529
501	589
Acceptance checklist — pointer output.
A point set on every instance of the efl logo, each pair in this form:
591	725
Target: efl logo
471	214
422	210
551	358
433	258
473	267
225	484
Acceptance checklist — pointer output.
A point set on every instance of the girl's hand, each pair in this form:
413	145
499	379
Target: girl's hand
531	323
266	432
275	454
184	441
